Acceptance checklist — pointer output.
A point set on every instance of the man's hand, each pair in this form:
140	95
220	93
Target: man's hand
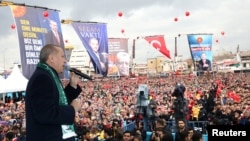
76	104
74	79
205	65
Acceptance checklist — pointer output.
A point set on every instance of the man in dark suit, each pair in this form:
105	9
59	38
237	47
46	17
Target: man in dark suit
204	63
50	109
100	59
53	36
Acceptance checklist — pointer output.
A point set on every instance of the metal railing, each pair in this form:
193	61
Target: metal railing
196	125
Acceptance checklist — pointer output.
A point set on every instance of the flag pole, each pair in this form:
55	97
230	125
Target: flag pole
175	55
175	47
175	52
133	57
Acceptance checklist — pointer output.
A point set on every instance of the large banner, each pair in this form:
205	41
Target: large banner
34	31
119	58
201	51
95	39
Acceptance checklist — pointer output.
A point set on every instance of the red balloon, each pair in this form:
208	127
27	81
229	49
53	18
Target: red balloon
120	14
175	19
187	13
13	26
66	41
122	30
217	41
222	33
45	14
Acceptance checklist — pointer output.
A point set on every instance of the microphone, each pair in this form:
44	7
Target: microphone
78	72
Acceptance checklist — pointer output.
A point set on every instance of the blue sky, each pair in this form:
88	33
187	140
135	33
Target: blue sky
143	18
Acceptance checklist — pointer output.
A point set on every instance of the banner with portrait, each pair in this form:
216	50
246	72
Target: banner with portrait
35	27
95	39
201	51
119	58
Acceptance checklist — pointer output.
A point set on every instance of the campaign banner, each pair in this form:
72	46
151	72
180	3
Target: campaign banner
35	29
95	39
201	51
119	58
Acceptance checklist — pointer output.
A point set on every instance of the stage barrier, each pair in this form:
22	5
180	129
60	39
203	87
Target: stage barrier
196	125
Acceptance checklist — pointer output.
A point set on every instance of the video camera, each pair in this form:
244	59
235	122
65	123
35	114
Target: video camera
142	95
143	92
179	91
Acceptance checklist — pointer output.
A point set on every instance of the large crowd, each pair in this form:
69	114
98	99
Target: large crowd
108	103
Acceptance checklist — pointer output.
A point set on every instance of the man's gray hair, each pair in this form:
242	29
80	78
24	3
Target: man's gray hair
122	55
46	51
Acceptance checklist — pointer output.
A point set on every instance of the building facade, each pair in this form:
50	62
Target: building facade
244	57
80	59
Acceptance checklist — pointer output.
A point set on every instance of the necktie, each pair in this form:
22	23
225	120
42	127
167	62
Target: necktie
57	38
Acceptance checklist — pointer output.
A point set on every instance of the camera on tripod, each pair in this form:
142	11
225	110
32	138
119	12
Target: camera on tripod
180	103
143	92
142	99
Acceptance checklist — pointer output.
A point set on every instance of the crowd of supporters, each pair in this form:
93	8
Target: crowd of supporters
108	105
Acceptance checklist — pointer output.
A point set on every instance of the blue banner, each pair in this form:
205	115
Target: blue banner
95	39
35	29
201	51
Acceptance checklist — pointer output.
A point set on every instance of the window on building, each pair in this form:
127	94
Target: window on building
244	65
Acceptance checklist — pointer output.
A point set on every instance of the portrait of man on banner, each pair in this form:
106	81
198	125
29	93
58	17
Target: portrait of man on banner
119	57
98	57
123	63
95	39
54	35
204	64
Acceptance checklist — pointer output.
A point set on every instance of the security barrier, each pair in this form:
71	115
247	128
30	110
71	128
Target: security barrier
129	127
148	136
196	125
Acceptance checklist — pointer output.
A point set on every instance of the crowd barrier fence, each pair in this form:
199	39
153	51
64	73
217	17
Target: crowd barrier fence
196	125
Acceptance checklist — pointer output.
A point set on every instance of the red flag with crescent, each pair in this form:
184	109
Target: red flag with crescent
158	43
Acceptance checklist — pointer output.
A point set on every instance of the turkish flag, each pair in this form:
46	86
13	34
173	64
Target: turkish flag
234	96
158	43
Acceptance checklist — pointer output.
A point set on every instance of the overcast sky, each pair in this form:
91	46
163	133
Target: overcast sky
143	18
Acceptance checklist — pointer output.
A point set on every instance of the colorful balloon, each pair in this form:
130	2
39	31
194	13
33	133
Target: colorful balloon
45	14
13	26
175	19
66	41
217	41
222	32
187	13
120	14
122	31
